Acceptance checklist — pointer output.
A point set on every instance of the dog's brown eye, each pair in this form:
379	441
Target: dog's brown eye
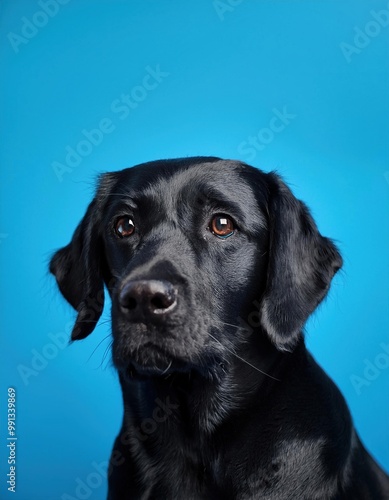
222	226
124	227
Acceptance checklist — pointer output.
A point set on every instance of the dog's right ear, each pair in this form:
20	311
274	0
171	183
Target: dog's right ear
78	268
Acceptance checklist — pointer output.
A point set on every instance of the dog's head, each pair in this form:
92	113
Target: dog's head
188	249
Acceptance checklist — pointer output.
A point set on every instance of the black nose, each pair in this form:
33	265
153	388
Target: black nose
148	297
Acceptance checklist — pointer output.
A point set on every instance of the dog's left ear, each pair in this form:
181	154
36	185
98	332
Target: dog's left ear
301	266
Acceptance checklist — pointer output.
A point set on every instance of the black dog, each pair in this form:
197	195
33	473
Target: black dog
213	268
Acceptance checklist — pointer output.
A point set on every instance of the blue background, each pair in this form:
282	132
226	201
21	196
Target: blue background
225	71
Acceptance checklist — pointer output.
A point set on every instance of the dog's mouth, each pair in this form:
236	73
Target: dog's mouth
134	371
150	360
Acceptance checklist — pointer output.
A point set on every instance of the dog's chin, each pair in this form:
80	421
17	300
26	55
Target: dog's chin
135	371
150	364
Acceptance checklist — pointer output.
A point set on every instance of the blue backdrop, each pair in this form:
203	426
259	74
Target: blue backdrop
92	86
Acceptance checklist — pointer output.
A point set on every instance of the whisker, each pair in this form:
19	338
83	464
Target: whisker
230	324
98	345
105	321
166	369
107	350
244	361
237	327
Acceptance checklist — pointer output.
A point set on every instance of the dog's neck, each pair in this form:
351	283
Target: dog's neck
191	420
195	404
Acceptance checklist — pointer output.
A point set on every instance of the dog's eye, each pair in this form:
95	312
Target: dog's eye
124	227
222	226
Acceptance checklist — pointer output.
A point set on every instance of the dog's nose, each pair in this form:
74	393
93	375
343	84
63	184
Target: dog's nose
148	297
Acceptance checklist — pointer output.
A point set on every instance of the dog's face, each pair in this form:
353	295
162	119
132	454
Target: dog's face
185	253
187	249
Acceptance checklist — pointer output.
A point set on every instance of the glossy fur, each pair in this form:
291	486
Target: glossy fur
221	398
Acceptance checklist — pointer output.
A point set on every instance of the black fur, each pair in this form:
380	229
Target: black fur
221	398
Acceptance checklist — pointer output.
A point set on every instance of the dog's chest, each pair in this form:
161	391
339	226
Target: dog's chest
178	471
